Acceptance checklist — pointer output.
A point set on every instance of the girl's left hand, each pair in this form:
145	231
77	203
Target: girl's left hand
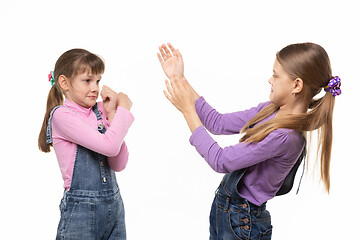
180	94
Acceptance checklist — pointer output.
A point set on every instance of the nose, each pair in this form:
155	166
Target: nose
270	80
94	87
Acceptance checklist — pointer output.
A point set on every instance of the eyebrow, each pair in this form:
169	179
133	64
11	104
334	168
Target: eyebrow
91	75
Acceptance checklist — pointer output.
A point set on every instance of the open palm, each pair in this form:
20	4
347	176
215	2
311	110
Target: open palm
171	61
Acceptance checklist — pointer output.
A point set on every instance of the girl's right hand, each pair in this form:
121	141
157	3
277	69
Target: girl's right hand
109	98
124	101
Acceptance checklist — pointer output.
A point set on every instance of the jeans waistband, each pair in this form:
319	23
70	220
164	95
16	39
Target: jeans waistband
92	196
240	202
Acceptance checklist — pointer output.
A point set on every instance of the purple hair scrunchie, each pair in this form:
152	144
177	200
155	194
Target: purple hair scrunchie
334	86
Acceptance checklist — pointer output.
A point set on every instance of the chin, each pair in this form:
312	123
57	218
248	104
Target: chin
90	104
273	101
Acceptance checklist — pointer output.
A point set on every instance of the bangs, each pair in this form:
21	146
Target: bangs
89	63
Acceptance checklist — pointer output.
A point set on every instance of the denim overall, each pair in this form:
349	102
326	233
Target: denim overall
93	207
233	217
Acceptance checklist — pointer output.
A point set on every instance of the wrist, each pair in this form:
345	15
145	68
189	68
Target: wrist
110	115
191	111
177	76
193	120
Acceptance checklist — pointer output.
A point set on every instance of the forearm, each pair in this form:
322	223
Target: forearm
119	162
68	126
192	120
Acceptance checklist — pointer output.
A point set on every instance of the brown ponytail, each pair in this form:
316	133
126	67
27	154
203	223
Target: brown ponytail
55	98
69	64
311	63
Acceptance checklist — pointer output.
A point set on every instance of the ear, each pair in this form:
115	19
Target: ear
298	86
64	82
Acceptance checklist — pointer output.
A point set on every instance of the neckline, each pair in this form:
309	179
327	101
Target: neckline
77	108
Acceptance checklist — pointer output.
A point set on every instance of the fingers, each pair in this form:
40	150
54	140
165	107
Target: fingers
169	88
171	48
168	97
107	93
166	50
124	101
160	58
165	54
104	92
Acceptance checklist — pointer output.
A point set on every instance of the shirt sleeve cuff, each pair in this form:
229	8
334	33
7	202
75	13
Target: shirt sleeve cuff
127	113
199	102
196	135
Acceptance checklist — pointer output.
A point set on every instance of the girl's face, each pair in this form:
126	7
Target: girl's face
282	85
84	89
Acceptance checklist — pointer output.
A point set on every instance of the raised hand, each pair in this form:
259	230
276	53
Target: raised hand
180	94
171	61
124	101
109	98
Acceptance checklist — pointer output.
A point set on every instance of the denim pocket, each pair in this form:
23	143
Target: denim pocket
67	210
62	205
266	235
77	220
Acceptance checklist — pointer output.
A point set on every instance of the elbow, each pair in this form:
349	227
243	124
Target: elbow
220	170
113	150
119	162
119	168
217	167
221	164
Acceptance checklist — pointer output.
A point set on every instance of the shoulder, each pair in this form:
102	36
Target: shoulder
287	135
62	110
288	140
63	114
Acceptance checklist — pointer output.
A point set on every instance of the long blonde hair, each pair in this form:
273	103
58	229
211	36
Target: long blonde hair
69	64
311	63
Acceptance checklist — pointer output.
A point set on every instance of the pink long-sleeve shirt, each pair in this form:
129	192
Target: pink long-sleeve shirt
75	125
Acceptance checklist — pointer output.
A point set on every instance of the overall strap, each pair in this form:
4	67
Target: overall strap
303	157
290	177
48	128
98	113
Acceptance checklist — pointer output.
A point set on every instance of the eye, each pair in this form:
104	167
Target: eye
97	82
87	80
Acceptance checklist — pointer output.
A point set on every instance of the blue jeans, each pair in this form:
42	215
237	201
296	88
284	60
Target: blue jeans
94	217
235	218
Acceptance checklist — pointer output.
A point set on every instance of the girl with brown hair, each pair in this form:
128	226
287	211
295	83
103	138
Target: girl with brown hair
88	139
260	166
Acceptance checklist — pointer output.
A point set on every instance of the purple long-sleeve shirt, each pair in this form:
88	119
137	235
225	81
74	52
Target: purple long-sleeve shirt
268	161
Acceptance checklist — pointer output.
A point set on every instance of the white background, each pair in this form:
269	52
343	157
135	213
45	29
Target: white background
228	48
